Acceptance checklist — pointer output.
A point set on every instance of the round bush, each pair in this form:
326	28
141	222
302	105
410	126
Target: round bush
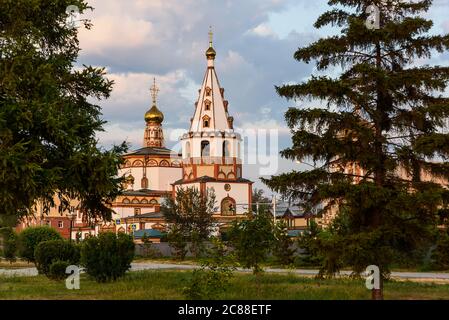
57	270
9	240
107	256
31	237
50	251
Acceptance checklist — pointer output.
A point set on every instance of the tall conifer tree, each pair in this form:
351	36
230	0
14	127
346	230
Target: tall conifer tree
48	122
386	114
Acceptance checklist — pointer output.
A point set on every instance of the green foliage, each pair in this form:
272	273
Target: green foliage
47	252
282	248
48	123
382	114
148	250
9	243
212	279
57	270
307	243
253	240
108	256
29	238
177	240
190	218
440	255
260	203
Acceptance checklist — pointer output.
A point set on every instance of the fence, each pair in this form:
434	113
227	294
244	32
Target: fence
163	249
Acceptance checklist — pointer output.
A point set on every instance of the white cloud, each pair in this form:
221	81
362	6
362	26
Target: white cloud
263	30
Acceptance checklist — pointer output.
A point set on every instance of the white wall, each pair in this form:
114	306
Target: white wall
159	178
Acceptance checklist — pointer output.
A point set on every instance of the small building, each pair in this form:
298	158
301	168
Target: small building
294	217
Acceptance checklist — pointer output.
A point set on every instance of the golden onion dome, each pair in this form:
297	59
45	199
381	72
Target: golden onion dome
129	179
211	53
154	115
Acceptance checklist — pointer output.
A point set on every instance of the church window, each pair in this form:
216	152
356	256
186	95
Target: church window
207	104
208	91
136	211
60	224
206	121
205	149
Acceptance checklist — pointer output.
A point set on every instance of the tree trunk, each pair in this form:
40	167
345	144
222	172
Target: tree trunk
378	294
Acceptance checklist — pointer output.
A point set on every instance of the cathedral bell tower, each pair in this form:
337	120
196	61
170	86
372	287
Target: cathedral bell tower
211	148
154	135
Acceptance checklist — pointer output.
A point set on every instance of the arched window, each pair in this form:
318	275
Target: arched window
226	152
207	104
228	207
188	151
205	149
164	163
206	122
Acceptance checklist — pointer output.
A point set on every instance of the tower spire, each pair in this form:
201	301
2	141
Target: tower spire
210	53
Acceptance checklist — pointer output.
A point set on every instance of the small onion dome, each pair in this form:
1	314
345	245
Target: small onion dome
154	115
210	53
129	179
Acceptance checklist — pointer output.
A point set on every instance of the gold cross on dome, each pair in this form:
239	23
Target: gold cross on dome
154	91
211	36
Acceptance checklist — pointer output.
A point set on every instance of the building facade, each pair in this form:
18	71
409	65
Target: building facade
211	150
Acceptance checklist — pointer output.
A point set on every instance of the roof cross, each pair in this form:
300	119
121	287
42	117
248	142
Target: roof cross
154	91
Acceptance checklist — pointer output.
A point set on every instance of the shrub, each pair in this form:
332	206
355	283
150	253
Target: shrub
107	256
253	240
57	270
9	241
177	240
50	251
29	238
212	279
440	255
282	250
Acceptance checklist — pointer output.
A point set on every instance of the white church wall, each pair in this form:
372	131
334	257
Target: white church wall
239	192
159	178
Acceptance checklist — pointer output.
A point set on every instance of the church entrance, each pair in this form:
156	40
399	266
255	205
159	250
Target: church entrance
228	207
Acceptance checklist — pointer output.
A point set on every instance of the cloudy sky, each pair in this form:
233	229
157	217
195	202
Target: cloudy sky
137	40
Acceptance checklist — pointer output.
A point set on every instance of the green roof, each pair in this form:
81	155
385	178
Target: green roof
151	233
294	233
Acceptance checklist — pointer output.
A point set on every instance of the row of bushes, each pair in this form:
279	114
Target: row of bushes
105	257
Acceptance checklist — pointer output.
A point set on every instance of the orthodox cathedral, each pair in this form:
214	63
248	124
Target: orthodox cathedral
210	159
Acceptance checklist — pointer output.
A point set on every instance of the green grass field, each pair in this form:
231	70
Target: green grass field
163	285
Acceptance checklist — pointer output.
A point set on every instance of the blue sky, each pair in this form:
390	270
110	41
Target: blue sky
137	40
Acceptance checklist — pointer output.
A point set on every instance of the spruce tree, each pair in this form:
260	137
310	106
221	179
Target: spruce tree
384	114
48	115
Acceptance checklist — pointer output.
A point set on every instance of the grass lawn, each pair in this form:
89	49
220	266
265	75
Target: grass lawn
169	284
